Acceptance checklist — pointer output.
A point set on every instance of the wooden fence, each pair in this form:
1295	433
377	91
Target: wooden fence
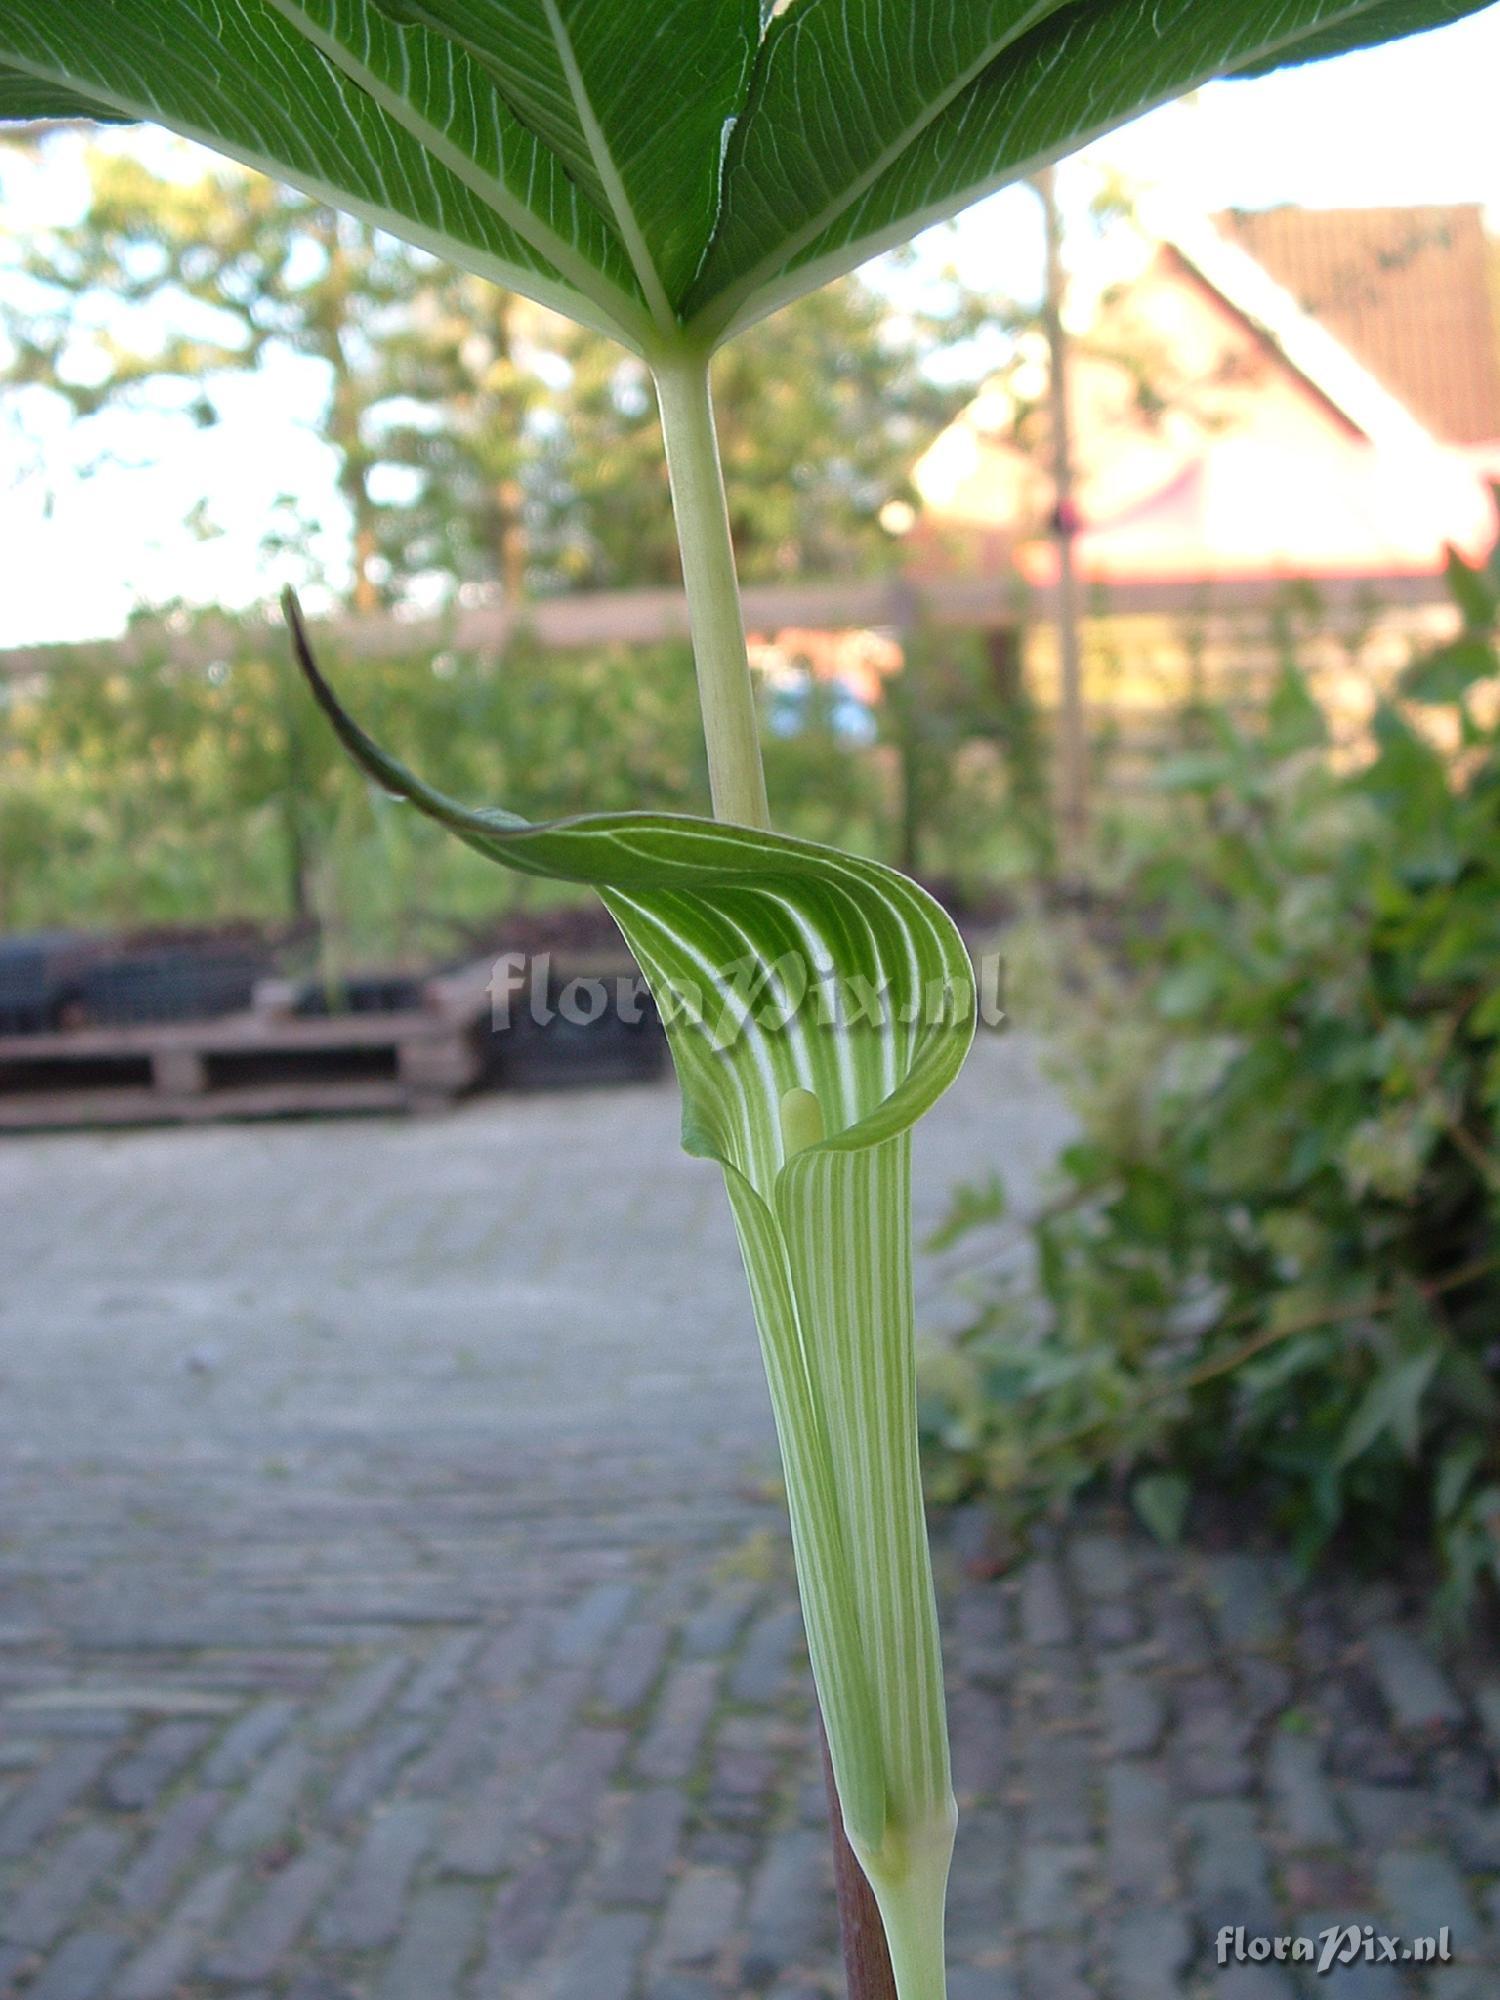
644	617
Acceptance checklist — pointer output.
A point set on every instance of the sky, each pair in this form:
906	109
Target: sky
1411	122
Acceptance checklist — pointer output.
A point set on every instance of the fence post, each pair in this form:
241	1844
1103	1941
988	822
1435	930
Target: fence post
1072	737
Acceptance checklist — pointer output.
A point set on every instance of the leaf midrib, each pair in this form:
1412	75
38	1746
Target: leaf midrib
610	178
571	264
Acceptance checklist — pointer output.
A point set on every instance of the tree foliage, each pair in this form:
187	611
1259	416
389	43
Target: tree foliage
478	439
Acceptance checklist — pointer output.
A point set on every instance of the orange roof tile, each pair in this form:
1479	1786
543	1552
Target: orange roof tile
1409	291
1242	465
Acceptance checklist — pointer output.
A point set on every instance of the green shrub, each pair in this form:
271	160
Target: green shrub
971	804
1274	1270
152	791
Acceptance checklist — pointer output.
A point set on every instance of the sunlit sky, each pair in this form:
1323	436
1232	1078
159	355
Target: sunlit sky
1413	122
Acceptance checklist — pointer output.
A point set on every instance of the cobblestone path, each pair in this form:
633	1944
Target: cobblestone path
394	1606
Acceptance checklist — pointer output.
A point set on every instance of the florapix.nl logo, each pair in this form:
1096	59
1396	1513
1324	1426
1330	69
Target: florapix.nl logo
1337	1945
770	994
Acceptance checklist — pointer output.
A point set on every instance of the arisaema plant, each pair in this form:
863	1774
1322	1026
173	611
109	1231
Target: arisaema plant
669	171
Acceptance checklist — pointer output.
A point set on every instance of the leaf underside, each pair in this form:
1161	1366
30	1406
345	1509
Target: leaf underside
731	928
37	97
668	170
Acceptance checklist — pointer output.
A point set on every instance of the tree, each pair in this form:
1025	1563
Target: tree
822	411
255	266
479	439
464	374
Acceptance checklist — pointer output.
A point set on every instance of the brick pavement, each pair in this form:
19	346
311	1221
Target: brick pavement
393	1604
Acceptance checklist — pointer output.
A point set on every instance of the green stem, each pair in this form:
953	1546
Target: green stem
910	1881
914	1938
908	1887
736	779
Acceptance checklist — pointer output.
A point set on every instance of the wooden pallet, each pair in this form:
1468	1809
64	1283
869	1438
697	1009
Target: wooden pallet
263	1063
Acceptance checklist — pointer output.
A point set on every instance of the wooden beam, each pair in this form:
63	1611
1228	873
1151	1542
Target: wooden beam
647	617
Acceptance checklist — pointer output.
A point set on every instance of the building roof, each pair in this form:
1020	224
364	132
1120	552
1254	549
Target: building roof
1264	447
1409	291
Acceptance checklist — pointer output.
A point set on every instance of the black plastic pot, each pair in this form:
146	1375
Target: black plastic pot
534	1052
131	987
39	973
366	993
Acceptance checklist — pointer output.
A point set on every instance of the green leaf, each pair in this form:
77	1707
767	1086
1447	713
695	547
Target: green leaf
816	1004
1294	721
1080	70
1161	1499
1472	591
1391	1404
1386	22
840	92
236	76
31	97
1455	1474
664	162
1192	771
446	100
973	1205
1447	673
1187	990
635	102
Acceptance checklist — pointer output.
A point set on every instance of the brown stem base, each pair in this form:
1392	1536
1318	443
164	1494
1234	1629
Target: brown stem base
867	1962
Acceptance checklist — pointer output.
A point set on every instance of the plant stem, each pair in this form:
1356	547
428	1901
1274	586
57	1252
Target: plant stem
725	693
867	1961
737	782
913	1919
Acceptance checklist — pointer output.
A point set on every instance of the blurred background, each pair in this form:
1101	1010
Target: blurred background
395	1591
